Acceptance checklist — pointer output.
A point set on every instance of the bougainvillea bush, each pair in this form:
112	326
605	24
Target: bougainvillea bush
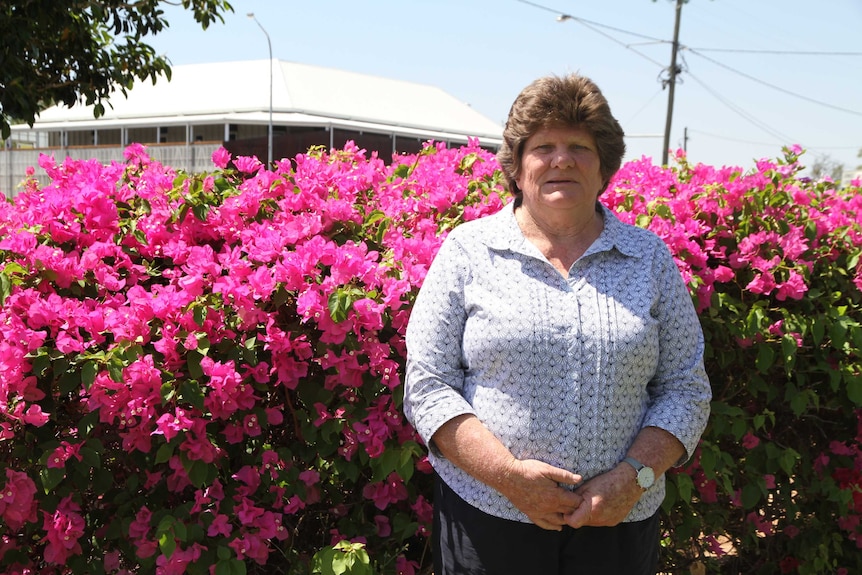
773	264
204	370
201	373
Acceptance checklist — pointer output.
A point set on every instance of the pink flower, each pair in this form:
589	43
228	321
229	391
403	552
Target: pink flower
35	416
384	529
136	153
171	424
405	567
715	546
251	425
140	527
220	526
723	274
221	158
61	454
249	476
776	328
793	288
761	524
247	513
750	441
63	530
17	503
274	416
763	283
386	492
246	164
294	505
250	546
309	477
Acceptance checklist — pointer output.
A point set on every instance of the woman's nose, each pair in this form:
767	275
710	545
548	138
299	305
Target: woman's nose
562	158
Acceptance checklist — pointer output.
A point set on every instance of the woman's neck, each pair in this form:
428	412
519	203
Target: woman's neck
562	238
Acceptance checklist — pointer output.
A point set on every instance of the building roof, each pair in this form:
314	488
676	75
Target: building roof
239	92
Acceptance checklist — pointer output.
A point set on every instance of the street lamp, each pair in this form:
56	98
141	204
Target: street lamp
269	128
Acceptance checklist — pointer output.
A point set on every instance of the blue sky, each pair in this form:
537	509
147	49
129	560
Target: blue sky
758	74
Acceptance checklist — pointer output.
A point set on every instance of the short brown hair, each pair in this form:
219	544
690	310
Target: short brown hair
570	100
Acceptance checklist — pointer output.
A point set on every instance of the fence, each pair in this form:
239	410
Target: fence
15	162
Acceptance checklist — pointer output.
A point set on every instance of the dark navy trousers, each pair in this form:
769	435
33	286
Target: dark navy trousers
467	541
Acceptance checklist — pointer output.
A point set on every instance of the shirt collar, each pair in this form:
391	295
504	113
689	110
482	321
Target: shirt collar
505	234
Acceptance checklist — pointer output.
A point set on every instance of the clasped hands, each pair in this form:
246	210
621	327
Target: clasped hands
539	491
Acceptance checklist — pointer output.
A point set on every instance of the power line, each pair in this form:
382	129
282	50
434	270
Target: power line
774	87
742	113
674	72
738	140
778	52
594	26
561	15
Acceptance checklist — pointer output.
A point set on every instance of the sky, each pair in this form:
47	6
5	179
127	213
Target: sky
757	75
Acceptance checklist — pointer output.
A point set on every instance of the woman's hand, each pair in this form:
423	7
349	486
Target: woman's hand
607	498
534	487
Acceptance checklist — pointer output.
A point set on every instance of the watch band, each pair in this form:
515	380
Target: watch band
645	476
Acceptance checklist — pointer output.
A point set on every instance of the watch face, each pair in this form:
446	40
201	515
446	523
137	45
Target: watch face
646	477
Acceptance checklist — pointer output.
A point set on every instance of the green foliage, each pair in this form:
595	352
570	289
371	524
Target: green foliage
59	52
776	484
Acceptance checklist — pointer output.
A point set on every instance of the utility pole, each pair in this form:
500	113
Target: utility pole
269	126
672	83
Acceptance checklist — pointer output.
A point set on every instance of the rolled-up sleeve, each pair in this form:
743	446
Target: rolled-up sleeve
435	375
680	392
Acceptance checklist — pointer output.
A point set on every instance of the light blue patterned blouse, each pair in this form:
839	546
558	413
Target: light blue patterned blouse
566	371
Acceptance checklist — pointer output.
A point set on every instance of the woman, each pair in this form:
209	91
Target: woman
555	364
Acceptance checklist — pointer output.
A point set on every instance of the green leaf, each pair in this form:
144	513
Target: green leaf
201	211
164	453
115	369
91	458
402	171
200	315
684	486
191	392
68	382
88	373
41	363
51	477
167	544
788	350
198	472
788	460
339	304
5	287
203	345
237	567
193	363
818	330
854	387
103	481
750	495
765	357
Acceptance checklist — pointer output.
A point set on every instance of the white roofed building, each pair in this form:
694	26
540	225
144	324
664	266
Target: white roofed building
204	106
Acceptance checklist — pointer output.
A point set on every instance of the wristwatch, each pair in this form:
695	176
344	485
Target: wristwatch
646	475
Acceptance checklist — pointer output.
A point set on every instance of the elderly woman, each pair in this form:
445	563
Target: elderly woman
555	360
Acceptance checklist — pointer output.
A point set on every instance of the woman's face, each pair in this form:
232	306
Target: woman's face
560	169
